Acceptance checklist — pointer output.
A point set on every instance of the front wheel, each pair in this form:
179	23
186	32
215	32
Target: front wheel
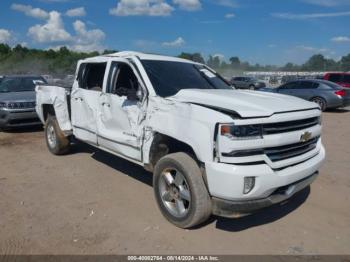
180	190
57	143
321	102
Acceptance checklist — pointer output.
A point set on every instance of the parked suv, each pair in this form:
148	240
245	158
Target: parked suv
342	79
212	149
17	101
242	82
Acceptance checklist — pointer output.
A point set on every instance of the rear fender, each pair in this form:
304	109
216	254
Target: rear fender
57	97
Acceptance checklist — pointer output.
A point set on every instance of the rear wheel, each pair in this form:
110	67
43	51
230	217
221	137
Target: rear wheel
251	87
180	190
321	102
56	141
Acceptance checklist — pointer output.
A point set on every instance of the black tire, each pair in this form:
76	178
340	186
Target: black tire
321	102
56	141
199	207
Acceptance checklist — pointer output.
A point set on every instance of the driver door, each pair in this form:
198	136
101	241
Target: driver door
120	127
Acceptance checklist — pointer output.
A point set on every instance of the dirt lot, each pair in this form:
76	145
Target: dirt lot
90	202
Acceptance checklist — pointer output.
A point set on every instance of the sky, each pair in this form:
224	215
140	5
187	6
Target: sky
257	31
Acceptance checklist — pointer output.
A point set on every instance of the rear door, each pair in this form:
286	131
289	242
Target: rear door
304	89
122	111
287	89
85	97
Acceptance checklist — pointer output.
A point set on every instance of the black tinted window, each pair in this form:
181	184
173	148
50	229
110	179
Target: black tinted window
335	77
168	77
291	85
91	76
346	79
307	85
20	84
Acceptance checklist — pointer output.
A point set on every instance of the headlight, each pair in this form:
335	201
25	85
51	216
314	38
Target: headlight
241	132
3	105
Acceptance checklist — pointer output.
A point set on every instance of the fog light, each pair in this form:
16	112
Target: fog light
249	183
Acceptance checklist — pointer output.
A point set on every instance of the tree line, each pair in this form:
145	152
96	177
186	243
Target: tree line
23	60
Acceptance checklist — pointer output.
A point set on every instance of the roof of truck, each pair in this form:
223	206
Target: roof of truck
141	56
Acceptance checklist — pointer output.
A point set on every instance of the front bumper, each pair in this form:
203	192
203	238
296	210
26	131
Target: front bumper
18	118
227	208
226	181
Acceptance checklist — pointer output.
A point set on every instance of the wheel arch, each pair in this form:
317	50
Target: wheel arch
48	109
163	145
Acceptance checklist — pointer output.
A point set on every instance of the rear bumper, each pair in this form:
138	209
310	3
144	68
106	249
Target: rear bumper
18	118
227	208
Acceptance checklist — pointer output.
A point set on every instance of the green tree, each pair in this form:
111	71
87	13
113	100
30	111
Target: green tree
344	63
316	63
235	62
196	57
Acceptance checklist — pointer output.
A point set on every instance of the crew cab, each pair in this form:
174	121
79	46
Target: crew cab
212	149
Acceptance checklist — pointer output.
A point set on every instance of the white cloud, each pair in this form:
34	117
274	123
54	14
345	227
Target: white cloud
142	7
76	12
5	36
52	31
229	16
312	49
86	40
341	39
176	43
227	3
292	16
328	3
188	5
30	11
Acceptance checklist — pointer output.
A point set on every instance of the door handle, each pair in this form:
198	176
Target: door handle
78	99
106	104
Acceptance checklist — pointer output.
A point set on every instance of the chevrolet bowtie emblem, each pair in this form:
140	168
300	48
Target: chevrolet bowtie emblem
305	137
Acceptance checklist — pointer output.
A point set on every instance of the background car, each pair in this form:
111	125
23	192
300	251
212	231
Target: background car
242	82
325	93
17	101
342	79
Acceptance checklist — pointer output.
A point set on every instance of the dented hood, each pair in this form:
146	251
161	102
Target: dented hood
245	103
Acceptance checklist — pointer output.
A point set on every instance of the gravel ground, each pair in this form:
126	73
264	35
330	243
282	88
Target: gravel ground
90	202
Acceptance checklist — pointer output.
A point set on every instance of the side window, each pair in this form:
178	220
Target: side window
290	85
90	76
121	80
307	85
346	79
335	78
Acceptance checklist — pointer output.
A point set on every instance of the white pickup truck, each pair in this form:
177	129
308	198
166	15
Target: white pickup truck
212	149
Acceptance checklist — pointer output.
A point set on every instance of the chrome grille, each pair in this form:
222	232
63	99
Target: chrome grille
20	105
289	151
278	153
283	127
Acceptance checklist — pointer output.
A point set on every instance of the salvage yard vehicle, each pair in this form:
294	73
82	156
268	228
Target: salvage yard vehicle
242	82
212	150
325	93
17	101
342	79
